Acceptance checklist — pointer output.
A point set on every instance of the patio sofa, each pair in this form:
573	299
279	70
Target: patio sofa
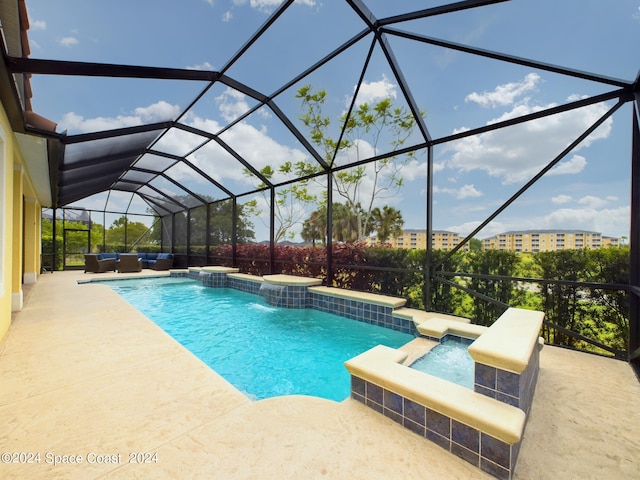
93	263
147	260
162	261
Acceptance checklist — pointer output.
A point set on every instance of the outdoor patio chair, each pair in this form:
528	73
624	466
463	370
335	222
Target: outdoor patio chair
92	264
129	262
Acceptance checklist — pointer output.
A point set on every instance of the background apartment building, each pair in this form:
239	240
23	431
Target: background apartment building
532	241
417	239
548	240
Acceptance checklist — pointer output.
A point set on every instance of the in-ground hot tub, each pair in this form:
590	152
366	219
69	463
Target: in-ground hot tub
484	426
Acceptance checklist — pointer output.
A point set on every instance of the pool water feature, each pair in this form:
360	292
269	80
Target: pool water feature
449	360
272	293
264	351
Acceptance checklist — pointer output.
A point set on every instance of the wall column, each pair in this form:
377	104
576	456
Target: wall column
17	300
6	216
31	254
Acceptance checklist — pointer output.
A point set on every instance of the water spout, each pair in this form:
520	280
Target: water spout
272	293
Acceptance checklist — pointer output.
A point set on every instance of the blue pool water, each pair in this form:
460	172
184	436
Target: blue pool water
449	360
263	351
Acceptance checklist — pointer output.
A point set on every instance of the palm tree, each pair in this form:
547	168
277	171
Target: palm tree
345	225
315	227
387	222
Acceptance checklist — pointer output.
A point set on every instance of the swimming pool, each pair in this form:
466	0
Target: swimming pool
450	360
264	351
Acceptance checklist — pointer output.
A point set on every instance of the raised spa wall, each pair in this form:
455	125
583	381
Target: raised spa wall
483	426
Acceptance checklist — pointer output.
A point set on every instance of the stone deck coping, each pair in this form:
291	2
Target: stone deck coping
109	276
440	327
421	316
245	276
381	366
376	299
219	269
291	280
509	342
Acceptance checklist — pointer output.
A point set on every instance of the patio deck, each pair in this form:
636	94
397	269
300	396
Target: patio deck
82	372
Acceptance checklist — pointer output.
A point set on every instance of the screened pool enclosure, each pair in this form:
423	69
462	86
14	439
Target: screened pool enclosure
309	160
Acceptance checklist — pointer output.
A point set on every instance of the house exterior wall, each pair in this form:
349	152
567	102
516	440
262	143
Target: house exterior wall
6	218
19	225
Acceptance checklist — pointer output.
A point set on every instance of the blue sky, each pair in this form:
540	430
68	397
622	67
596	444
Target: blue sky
588	190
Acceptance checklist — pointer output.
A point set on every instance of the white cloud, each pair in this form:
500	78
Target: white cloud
560	199
206	66
156	112
467	191
517	153
227	16
569	167
268	6
415	169
505	94
371	92
232	104
593	202
73	121
38	25
611	221
450	191
68	41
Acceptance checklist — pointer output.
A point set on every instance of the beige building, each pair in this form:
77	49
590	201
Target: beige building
417	239
548	240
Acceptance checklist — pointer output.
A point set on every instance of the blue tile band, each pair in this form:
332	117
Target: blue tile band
478	448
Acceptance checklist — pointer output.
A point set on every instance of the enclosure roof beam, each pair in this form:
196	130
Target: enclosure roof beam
164	195
107	70
116	132
510	58
186	162
439	10
621	95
